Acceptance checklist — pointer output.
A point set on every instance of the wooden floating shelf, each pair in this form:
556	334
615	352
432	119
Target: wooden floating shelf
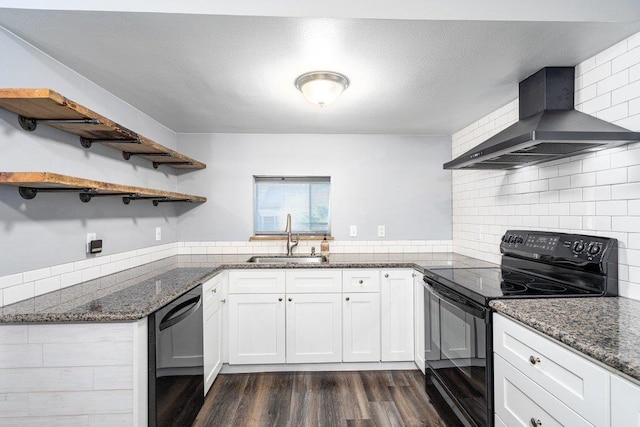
32	183
34	106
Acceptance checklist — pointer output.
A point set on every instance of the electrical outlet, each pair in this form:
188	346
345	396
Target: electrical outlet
90	237
353	231
158	233
381	231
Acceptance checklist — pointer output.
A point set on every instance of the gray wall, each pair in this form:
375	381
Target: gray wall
391	180
51	229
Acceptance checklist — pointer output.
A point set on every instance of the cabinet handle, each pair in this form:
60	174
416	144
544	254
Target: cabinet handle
290	299
347	299
533	361
386	275
361	281
224	300
535	423
214	290
413	274
279	299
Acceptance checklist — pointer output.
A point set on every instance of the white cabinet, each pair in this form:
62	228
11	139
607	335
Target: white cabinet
396	299
361	327
256	281
213	294
313	328
418	316
625	403
561	382
256	328
313	280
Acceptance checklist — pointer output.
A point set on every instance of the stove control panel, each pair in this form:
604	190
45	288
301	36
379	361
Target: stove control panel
559	248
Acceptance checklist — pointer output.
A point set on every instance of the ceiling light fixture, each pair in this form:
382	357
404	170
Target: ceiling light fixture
322	87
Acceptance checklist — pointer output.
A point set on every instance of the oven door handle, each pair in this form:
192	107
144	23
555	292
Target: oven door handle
171	319
457	300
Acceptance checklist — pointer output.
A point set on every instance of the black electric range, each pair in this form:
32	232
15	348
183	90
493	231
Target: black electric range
458	327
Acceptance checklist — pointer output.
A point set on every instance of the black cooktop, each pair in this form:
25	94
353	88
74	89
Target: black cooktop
536	265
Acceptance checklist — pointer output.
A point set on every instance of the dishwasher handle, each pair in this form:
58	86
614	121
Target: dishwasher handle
171	318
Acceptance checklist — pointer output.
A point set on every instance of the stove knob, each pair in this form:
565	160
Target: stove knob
520	240
594	249
505	238
578	247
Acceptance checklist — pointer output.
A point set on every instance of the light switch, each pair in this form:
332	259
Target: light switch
381	231
353	231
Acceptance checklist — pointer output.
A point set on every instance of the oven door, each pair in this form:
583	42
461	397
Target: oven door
457	355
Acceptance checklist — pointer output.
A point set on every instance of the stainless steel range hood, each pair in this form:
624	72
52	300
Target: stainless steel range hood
549	128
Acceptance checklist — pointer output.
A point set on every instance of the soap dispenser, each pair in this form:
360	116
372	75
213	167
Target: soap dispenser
324	246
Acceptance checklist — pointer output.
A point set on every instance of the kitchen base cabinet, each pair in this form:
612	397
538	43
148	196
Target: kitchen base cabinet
396	299
256	328
313	328
625	403
361	327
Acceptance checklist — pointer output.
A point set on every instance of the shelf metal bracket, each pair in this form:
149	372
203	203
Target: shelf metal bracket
156	164
157	202
87	142
86	196
126	155
127	199
31	192
30	124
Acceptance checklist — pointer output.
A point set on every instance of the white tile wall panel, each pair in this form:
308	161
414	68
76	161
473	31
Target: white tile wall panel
625	223
611	176
95	354
616	112
600	72
71	421
611	207
49	284
611	53
23	380
626	191
630	91
113	377
583	180
598	103
596	163
13	405
80	403
586	93
110	420
20	356
12	280
14	334
626	60
596	223
612	82
626	158
33	275
80	333
18	293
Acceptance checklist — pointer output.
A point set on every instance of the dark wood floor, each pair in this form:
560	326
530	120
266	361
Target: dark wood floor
368	398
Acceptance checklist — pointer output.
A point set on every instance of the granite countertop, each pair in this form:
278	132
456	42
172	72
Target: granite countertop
137	292
606	329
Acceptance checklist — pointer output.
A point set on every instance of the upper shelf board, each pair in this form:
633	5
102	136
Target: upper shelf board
46	106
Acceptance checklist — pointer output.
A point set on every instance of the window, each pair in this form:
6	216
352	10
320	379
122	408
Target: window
305	198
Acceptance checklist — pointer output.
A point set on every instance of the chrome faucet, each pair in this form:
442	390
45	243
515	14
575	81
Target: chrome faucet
289	240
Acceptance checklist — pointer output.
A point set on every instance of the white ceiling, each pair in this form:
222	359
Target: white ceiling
203	72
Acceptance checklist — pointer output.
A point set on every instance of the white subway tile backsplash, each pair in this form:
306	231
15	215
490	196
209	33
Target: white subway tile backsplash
626	60
625	191
630	91
616	112
625	223
613	207
611	176
46	285
18	293
598	73
596	163
612	82
33	275
12	280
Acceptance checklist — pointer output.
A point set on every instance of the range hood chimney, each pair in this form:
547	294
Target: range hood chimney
549	128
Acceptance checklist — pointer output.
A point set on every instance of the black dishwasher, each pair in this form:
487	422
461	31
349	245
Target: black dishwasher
176	369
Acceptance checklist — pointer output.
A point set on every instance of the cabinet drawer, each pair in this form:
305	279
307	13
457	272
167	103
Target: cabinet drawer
314	281
256	281
573	380
521	402
361	280
212	291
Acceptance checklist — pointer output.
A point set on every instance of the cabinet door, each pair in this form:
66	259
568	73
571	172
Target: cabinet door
521	402
418	314
361	327
256	328
314	328
212	342
625	403
396	299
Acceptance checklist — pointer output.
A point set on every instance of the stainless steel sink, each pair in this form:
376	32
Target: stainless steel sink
285	259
